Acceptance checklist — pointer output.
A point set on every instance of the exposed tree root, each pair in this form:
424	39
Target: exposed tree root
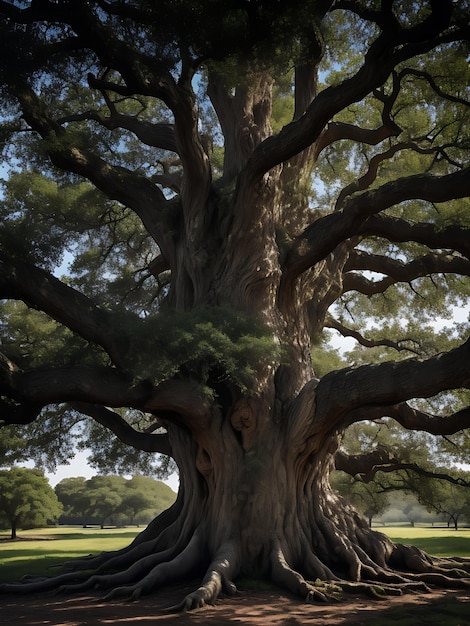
314	555
217	578
409	571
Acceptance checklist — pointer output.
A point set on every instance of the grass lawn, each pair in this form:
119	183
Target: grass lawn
37	550
435	541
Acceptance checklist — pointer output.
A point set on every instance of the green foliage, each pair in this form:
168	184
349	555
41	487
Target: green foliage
325	358
26	499
368	498
13	447
112	499
48	217
209	344
445	498
32	339
108	453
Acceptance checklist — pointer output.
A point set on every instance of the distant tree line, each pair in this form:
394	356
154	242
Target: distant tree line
112	500
421	500
27	500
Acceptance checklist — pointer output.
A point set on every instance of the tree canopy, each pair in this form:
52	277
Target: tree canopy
26	499
112	499
199	195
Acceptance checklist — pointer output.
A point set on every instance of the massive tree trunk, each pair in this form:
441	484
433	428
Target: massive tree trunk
255	497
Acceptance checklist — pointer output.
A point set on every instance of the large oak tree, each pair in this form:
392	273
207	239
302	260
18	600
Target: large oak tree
232	178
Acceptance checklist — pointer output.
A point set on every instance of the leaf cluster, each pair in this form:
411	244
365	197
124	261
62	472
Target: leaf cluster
26	498
112	498
209	344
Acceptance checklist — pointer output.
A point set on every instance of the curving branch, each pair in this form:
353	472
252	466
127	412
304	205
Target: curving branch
431	235
41	290
118	183
141	74
398	271
393	45
400	345
158	135
413	419
18	412
323	236
366	180
366	467
92	391
52	385
432	83
416	469
147	442
336	131
360	464
371	387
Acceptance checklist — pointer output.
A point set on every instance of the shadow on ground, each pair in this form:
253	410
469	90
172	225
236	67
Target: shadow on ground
252	608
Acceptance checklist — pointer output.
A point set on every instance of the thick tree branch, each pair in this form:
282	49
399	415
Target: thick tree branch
354	464
118	183
156	135
39	289
338	131
397	230
391	383
18	412
53	385
322	237
147	442
412	419
398	271
392	46
369	464
147	76
366	180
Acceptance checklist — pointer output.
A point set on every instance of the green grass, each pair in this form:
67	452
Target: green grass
435	541
35	551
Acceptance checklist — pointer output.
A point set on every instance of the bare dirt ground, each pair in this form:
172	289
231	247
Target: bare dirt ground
267	607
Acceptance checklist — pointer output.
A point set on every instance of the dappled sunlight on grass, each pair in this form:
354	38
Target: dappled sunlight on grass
36	551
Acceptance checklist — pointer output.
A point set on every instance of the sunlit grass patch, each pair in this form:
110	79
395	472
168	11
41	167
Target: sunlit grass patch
36	551
435	541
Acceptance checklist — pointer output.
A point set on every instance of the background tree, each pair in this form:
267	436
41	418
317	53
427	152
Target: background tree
368	498
405	507
71	493
145	497
400	462
26	499
112	499
105	499
231	179
450	500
